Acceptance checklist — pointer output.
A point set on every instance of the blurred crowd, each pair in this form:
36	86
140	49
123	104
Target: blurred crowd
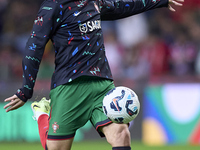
156	46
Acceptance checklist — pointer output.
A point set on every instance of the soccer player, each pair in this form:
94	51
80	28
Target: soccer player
82	75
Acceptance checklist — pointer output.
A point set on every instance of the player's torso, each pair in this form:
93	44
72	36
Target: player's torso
78	41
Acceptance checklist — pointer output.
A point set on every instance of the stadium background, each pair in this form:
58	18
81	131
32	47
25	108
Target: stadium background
157	54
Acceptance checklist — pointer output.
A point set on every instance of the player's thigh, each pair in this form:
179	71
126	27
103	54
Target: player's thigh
70	109
59	144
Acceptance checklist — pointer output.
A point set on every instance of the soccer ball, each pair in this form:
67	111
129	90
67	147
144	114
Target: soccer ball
121	105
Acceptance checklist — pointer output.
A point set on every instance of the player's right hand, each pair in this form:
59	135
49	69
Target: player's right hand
176	3
14	103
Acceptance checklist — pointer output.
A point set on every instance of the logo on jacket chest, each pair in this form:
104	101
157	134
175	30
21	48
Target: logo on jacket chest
90	26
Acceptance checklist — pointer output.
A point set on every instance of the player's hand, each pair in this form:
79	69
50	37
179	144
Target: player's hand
175	3
14	103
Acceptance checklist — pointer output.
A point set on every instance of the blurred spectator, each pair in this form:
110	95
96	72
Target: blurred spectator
135	68
131	30
191	22
156	53
161	25
113	51
10	64
18	20
183	54
3	4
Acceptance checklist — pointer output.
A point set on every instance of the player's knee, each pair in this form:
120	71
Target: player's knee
122	136
57	145
118	135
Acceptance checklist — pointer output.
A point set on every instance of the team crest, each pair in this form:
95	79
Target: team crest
55	127
83	27
97	7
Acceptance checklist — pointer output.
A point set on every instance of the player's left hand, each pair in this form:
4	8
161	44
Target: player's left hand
176	3
14	103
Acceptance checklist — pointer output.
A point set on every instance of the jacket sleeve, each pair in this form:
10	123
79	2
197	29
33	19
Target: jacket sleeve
118	9
45	24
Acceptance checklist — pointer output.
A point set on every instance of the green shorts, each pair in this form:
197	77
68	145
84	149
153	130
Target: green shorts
74	103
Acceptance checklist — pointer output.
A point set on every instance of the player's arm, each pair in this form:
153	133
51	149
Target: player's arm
45	24
118	9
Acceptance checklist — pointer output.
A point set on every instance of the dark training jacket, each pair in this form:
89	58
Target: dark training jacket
74	28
